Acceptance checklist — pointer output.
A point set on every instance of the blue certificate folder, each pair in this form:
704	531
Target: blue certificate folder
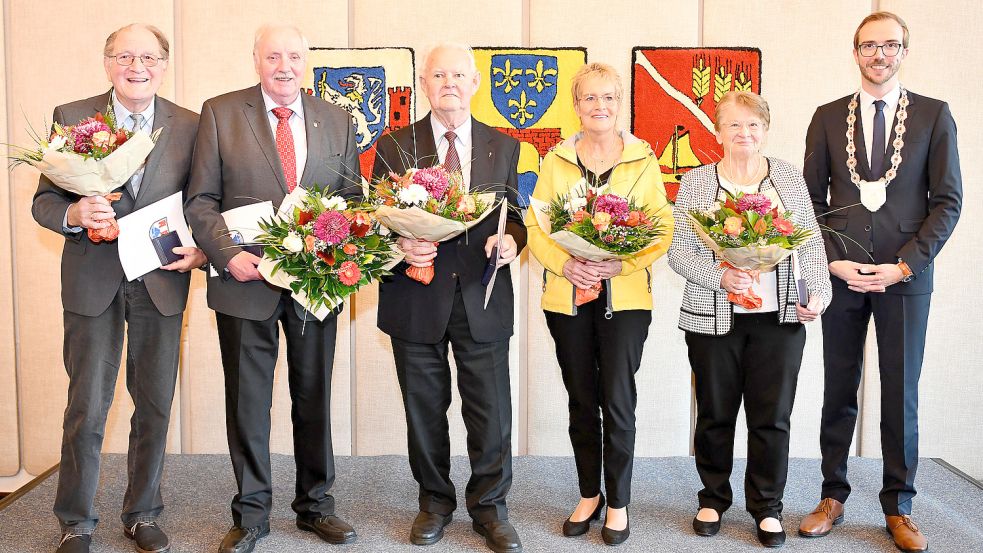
165	244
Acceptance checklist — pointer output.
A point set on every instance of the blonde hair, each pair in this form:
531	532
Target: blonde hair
165	46
750	100
598	71
881	16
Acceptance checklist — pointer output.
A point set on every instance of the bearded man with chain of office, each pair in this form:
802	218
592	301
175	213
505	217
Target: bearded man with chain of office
883	170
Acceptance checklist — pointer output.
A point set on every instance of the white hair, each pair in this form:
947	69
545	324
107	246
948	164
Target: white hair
459	46
267	27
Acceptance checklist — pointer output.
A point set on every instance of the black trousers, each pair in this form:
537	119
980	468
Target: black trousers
486	405
598	359
249	353
758	361
900	323
93	348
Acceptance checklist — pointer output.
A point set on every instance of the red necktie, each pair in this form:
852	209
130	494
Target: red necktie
452	162
285	146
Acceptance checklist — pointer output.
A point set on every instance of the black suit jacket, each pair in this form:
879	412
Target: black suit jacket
419	313
91	273
236	163
923	200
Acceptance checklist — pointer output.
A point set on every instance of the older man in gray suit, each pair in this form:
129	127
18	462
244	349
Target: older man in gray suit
258	144
99	302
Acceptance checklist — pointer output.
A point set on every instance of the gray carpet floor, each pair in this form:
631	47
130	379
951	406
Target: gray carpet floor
378	495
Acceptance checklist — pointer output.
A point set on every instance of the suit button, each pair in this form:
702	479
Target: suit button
867	228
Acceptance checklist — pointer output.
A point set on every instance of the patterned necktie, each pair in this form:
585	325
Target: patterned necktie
451	161
285	146
134	183
877	143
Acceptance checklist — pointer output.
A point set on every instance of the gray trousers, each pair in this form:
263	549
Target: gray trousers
93	348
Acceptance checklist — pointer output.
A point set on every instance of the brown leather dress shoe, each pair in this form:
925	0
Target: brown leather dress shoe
907	536
820	522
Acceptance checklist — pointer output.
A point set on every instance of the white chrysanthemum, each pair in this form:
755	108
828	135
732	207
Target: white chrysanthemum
413	194
293	242
57	143
336	203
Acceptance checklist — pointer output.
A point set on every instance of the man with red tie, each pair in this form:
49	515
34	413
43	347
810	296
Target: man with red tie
258	144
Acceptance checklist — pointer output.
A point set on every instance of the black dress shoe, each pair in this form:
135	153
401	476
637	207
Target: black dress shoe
428	528
242	540
703	528
329	528
148	537
74	543
571	528
770	539
616	537
499	535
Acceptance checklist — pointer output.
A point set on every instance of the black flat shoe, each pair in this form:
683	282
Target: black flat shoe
242	540
329	528
571	528
703	528
500	536
428	528
770	539
616	537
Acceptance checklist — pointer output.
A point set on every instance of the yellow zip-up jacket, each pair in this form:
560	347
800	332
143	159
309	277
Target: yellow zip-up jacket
636	175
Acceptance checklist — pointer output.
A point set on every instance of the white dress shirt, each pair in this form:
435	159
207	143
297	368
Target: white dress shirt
462	143
867	111
123	120
297	128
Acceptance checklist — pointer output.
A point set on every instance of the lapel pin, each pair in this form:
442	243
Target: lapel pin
315	124
489	154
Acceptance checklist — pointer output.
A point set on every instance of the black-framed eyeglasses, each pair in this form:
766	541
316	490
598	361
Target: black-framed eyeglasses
127	60
869	49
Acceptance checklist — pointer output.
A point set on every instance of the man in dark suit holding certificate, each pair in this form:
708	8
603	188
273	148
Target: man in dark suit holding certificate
883	170
100	303
258	144
422	320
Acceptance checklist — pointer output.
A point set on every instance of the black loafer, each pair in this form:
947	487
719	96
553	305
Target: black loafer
242	540
74	543
329	528
571	528
703	528
148	537
428	528
499	535
616	537
770	539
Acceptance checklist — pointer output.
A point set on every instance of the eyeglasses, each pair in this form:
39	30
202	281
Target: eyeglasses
869	49
127	60
606	99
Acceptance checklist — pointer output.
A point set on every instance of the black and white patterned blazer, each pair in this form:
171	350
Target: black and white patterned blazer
705	309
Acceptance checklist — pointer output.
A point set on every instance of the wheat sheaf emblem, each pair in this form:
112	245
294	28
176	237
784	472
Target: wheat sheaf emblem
722	81
701	79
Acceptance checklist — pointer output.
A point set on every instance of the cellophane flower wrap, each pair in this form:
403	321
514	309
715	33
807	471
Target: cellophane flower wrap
324	248
90	158
749	234
428	204
597	225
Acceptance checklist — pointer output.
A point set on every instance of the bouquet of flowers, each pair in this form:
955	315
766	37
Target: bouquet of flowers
323	249
428	204
595	225
748	234
90	158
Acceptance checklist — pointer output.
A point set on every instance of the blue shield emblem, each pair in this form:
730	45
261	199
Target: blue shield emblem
361	91
523	86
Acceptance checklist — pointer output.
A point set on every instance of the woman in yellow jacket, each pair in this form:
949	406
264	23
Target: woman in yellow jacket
599	343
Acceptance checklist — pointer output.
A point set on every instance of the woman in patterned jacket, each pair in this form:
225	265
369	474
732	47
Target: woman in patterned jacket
738	353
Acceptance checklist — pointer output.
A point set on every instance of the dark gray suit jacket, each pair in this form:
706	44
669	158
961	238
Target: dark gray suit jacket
419	313
236	163
91	273
923	201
